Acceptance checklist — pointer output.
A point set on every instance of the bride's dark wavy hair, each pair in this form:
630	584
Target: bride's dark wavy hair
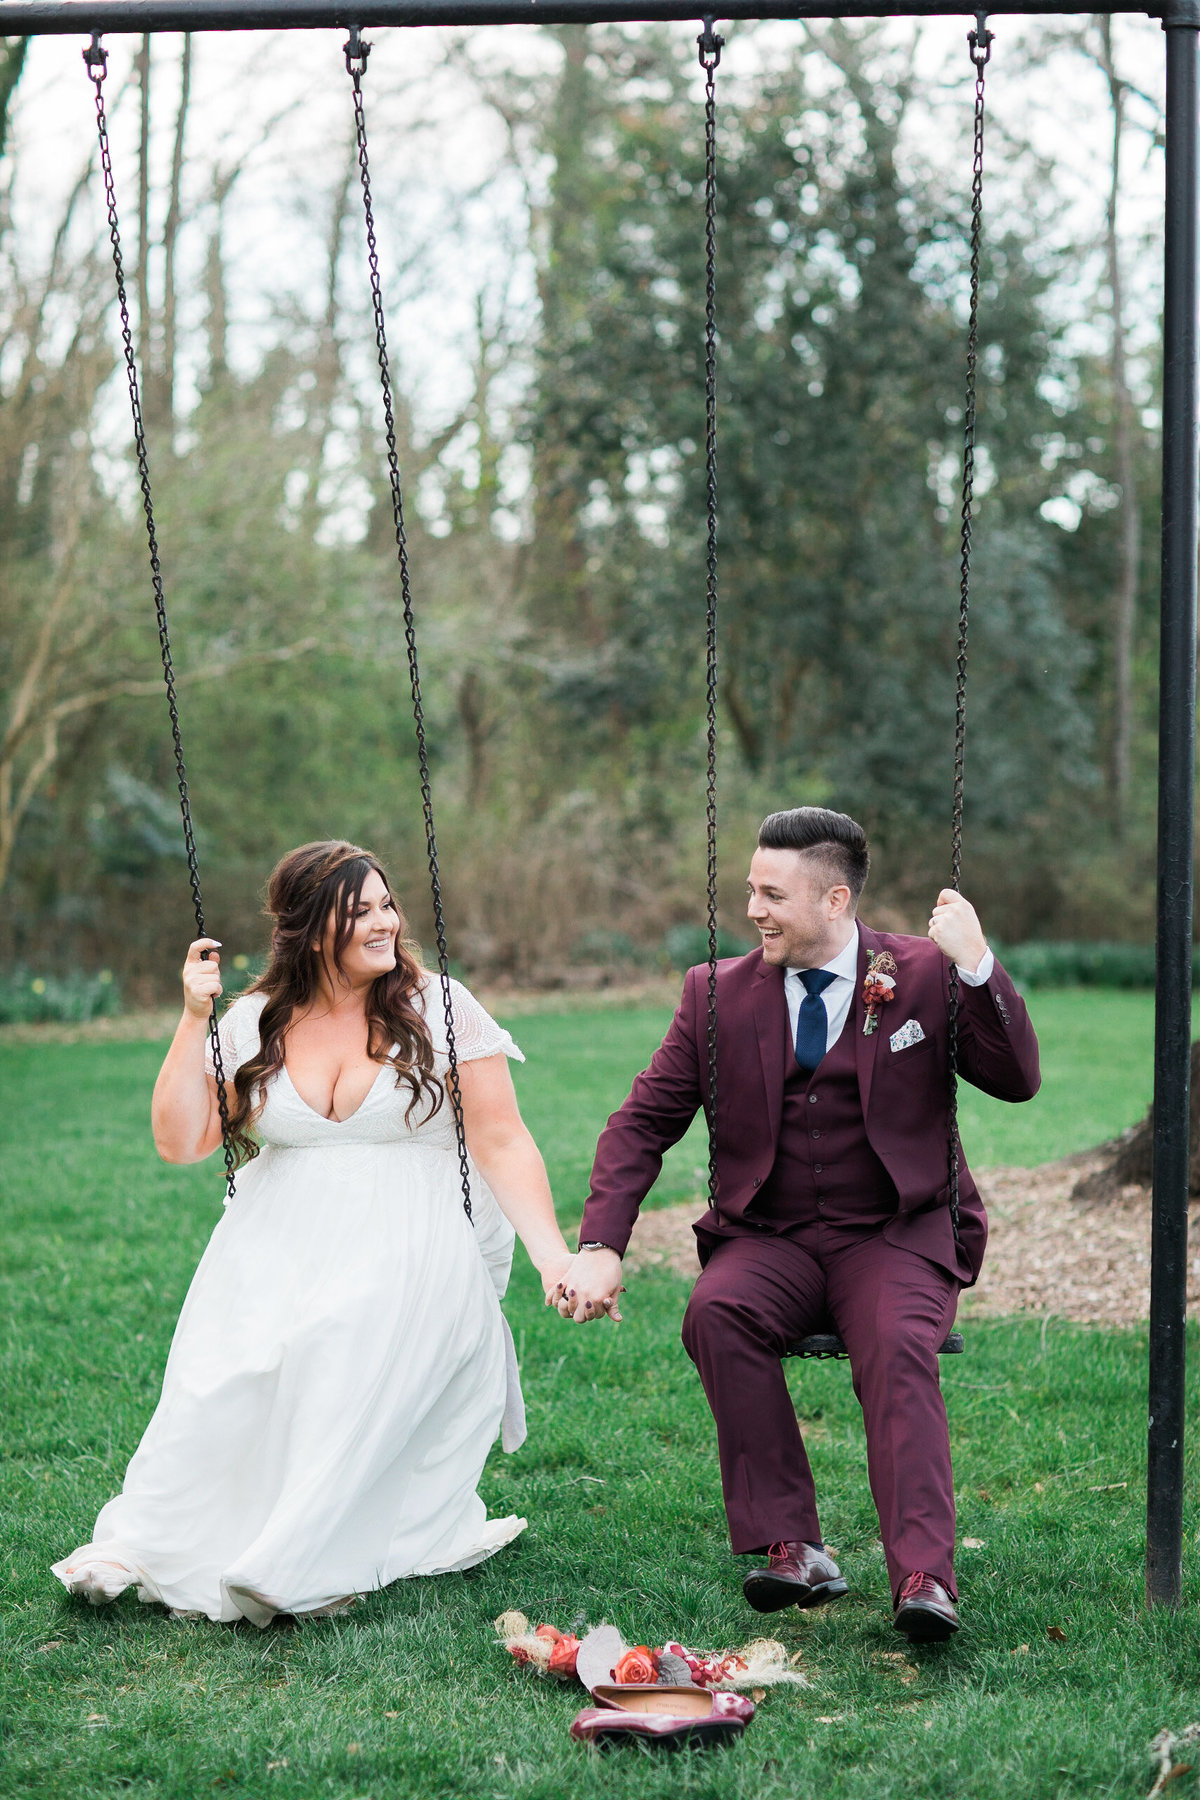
305	888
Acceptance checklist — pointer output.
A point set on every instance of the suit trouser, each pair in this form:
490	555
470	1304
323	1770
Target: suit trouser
892	1307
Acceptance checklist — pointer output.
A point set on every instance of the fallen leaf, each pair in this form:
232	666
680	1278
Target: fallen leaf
983	1494
1056	1634
1038	1488
281	1764
353	1749
1175	1770
901	1666
973	1543
94	1721
1021	1650
391	1715
1111	1488
54	1644
758	1695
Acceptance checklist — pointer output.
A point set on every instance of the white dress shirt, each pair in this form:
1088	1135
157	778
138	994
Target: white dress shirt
839	995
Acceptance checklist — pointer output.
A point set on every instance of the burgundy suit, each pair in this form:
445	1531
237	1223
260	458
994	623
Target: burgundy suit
832	1208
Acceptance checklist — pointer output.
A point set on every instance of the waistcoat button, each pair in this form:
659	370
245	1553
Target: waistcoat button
812	1099
817	1168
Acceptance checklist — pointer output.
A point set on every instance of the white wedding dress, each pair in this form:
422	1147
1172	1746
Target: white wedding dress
340	1369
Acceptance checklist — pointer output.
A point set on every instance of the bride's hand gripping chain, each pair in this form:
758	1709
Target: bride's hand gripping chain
184	1114
202	977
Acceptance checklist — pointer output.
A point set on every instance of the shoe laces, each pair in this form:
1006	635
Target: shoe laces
918	1586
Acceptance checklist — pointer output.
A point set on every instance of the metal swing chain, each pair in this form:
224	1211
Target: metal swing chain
356	52
980	43
710	43
96	59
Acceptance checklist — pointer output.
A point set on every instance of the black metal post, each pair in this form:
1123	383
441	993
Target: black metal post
1176	797
32	18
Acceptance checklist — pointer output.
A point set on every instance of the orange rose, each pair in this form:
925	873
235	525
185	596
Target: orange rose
639	1665
549	1631
562	1657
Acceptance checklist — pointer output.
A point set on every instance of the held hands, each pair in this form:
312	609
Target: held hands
956	930
201	979
589	1288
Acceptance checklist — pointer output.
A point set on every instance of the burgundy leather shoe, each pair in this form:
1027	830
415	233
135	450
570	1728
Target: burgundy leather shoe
924	1610
796	1575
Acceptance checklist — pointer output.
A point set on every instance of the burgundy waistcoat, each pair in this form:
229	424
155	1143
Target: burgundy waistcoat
824	1167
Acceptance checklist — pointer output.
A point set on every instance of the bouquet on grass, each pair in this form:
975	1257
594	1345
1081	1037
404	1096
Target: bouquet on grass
600	1655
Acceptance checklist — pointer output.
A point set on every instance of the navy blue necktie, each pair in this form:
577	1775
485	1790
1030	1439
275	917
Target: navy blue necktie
812	1026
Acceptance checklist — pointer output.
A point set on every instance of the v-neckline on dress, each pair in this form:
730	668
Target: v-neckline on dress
324	1117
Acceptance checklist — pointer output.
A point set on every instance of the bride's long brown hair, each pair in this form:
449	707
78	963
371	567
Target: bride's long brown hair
305	888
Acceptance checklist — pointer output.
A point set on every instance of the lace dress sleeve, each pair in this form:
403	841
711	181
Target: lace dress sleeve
239	1035
476	1033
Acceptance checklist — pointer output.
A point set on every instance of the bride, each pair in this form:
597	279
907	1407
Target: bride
341	1366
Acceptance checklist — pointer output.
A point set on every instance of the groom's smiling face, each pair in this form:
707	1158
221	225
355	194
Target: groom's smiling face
802	912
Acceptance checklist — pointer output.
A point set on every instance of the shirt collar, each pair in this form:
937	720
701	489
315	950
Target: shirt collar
845	963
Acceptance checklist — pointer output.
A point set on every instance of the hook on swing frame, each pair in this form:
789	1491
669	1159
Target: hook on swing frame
711	44
980	41
356	51
96	59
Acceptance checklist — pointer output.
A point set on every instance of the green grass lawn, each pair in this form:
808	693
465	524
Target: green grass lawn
407	1696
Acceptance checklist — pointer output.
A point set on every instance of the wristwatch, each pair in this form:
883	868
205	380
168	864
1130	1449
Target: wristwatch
598	1246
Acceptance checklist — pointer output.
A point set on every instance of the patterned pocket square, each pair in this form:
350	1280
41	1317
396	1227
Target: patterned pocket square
909	1033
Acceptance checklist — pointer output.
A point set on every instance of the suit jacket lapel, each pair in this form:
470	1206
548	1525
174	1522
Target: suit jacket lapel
865	1048
771	1031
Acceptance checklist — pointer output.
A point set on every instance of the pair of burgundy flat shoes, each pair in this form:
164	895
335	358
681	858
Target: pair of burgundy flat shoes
663	1715
806	1575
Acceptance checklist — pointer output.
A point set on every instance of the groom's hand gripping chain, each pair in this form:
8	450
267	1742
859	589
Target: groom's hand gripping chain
955	929
590	1287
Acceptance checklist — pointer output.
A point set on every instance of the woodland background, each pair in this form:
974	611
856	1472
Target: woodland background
546	312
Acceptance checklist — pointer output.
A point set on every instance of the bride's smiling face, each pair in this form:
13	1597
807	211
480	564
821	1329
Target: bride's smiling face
371	951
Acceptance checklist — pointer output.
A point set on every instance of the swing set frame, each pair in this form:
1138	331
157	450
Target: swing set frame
1180	21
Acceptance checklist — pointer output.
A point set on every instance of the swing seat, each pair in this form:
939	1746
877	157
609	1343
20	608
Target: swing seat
827	1343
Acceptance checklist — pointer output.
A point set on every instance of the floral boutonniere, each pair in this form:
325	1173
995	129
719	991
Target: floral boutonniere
878	988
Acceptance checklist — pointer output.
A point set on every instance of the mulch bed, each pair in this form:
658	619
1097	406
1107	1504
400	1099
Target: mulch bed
1048	1253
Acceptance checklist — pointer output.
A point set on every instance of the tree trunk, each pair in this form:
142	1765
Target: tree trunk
145	354
161	392
1124	611
1129	1159
558	586
12	61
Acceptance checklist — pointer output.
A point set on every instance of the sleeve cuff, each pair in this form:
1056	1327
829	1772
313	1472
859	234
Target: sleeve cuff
982	975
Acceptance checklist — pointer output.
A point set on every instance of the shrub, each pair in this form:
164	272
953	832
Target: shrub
615	948
238	972
27	998
1070	964
686	945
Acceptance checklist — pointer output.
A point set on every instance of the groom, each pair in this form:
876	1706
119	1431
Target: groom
832	1204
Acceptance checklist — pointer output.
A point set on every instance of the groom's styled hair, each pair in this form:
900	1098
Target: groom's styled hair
838	841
